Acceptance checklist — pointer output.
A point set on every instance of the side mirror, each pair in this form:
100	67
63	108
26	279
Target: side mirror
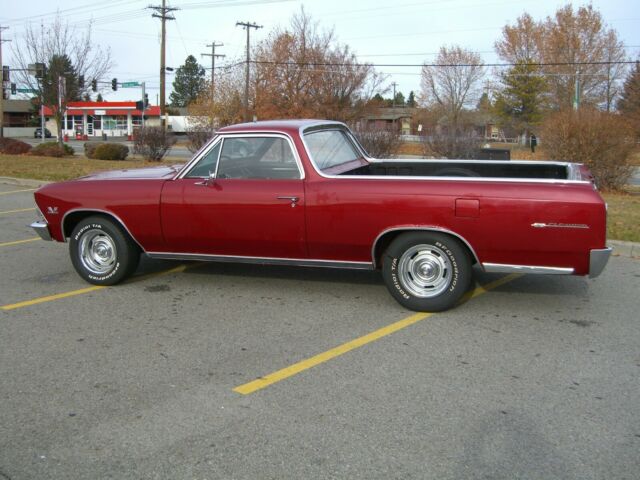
210	180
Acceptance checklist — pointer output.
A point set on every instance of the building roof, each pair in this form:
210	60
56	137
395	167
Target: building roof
110	108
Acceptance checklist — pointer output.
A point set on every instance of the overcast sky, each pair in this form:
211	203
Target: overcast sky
407	32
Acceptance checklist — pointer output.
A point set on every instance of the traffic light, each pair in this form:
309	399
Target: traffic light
146	101
139	105
81	81
114	84
94	85
13	89
5	73
5	94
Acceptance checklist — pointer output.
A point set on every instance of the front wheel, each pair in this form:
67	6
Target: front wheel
426	271
101	252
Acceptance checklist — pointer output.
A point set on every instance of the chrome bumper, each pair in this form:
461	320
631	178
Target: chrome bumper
598	260
42	229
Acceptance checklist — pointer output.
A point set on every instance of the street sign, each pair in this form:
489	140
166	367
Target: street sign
130	84
26	90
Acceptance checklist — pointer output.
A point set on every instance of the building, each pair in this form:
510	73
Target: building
96	119
17	119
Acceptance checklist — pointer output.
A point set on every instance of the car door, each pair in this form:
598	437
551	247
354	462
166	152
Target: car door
243	197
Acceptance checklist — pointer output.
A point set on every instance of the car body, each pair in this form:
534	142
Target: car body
37	133
306	193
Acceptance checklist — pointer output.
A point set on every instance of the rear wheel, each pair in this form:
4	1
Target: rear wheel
426	271
101	252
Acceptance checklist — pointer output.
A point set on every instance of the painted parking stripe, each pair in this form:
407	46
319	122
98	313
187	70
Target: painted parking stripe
299	367
18	242
18	191
81	291
6	212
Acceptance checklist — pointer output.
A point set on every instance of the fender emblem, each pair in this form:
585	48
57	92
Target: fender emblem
52	210
559	225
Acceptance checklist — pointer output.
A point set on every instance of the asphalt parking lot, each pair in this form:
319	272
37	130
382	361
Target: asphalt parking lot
205	371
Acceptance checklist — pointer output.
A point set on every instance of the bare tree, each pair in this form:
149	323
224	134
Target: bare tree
453	83
66	52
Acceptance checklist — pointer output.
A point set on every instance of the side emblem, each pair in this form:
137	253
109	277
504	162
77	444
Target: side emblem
52	210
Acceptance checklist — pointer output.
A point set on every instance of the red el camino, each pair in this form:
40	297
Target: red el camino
304	192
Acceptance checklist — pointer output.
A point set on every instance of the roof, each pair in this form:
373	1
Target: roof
110	108
290	126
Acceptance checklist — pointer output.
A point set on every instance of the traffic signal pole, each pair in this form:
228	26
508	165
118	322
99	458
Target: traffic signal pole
2	82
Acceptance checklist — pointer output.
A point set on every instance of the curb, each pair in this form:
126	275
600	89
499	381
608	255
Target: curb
624	249
620	248
23	182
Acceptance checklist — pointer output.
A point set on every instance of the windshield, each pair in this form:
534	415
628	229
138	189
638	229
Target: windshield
329	148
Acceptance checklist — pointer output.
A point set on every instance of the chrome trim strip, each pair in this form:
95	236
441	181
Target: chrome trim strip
598	259
560	225
42	229
420	228
505	268
221	137
343	127
97	210
298	262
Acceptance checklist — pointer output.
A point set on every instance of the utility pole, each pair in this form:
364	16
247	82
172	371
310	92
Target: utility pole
247	26
163	13
213	56
393	102
2	83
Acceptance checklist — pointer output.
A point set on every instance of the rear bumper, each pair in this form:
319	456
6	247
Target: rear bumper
598	260
42	229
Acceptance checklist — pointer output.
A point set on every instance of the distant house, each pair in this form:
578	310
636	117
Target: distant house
398	118
17	118
95	119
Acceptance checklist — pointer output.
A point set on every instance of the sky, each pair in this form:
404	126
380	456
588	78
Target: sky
406	32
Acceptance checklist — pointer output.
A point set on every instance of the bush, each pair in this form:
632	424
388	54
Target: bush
110	151
68	149
49	149
379	143
461	145
152	143
602	141
13	146
199	135
90	148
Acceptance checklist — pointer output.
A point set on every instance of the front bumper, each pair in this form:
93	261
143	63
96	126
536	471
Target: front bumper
42	229
598	260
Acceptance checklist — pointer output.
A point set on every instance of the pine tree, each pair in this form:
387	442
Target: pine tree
521	101
188	84
411	100
629	103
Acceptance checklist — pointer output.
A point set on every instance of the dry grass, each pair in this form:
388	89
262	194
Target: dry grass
623	221
65	168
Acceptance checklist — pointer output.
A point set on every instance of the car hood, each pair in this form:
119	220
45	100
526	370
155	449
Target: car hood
164	171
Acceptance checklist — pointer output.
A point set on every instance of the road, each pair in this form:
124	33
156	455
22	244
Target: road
536	377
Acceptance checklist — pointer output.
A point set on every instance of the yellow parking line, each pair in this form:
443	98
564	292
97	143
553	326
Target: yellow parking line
17	211
17	242
296	368
73	293
17	191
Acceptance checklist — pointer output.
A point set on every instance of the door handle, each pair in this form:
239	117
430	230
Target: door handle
292	199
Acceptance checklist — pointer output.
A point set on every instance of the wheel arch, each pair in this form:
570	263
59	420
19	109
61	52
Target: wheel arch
384	239
75	216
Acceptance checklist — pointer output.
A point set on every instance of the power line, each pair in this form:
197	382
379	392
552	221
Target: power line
413	65
213	56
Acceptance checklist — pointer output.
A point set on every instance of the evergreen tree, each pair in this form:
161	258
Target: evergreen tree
99	98
629	103
520	102
188	84
411	100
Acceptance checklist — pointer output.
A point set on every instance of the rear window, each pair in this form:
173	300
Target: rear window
329	148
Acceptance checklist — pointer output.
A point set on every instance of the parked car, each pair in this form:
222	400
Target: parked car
306	193
38	133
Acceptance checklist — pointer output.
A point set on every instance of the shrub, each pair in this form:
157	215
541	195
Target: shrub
13	146
379	143
199	135
49	149
461	145
68	149
110	151
152	143
90	148
602	141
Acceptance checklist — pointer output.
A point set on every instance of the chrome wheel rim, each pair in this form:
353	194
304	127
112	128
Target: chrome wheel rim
97	252
425	271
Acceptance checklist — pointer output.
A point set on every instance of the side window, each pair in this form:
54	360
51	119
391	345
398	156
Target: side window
206	164
257	158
